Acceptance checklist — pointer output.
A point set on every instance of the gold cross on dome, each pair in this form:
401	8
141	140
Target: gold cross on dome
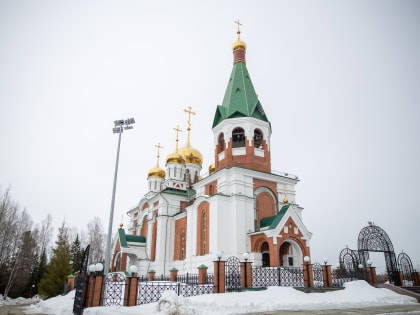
189	111
177	132
239	24
158	146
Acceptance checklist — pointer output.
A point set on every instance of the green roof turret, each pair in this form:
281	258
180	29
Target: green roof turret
240	98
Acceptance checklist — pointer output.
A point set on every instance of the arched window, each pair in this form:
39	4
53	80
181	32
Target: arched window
203	229
221	142
182	244
238	138
258	137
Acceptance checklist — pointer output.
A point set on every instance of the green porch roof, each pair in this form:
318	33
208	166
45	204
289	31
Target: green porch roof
272	222
240	99
124	238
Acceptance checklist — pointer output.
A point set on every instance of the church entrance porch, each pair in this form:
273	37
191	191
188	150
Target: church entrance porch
289	253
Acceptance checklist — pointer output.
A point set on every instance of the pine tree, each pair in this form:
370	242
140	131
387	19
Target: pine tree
76	253
59	268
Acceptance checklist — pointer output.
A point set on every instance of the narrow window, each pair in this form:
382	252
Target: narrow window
258	137
221	142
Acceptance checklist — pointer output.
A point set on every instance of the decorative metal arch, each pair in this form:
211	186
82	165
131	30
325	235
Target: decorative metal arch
233	274
349	259
406	268
372	238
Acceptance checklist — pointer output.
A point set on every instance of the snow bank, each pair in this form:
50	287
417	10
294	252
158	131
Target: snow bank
355	294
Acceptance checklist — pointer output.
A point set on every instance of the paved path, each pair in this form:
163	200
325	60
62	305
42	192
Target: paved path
14	310
412	309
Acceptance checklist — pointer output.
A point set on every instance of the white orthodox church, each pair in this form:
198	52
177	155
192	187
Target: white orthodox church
240	206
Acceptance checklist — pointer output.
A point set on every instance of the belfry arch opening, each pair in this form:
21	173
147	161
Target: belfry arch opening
238	137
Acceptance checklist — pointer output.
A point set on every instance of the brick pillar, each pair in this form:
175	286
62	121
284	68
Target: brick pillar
327	275
151	275
401	277
371	273
308	275
70	282
219	276
130	293
174	274
94	291
246	274
416	277
202	274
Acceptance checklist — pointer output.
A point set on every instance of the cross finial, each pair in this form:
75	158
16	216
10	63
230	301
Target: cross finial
239	25
158	146
177	132
189	111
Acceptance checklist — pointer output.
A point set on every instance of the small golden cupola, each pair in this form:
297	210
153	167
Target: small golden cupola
156	175
157	171
191	155
239	47
175	157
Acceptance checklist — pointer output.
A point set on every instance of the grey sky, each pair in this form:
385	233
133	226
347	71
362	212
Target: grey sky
339	81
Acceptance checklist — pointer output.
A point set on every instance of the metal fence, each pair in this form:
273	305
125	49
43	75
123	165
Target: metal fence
277	276
340	276
115	286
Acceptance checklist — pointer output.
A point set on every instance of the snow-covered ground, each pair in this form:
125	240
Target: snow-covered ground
355	294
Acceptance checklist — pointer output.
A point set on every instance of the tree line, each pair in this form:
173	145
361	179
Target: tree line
29	262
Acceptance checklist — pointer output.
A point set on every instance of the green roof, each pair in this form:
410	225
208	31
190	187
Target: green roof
240	99
272	222
124	238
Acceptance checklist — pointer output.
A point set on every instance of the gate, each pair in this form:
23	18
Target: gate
114	289
318	277
80	296
233	274
374	239
406	268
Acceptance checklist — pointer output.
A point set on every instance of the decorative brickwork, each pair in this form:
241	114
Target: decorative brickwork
180	238
203	229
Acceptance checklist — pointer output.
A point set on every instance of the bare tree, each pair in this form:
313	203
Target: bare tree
96	237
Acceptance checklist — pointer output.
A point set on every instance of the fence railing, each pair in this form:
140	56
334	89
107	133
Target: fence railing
277	276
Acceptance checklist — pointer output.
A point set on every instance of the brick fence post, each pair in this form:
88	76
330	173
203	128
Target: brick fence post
327	275
371	272
246	274
174	274
130	294
202	274
308	275
151	275
219	276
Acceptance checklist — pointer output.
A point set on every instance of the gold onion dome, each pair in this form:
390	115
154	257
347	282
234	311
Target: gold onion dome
239	44
212	168
175	157
156	172
191	155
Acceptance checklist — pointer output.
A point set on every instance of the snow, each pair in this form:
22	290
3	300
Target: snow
355	294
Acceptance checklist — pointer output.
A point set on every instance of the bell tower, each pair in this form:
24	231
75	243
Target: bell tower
240	126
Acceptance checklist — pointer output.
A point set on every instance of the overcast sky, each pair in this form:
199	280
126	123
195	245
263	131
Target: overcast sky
339	81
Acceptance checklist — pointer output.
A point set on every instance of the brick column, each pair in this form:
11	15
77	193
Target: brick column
246	274
94	291
308	275
130	294
371	271
219	276
174	274
202	274
151	275
327	275
416	277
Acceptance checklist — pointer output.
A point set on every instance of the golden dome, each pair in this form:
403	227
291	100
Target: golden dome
212	168
191	155
175	157
285	200
238	45
156	172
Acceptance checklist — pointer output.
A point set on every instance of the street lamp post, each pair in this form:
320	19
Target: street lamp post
246	256
119	127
